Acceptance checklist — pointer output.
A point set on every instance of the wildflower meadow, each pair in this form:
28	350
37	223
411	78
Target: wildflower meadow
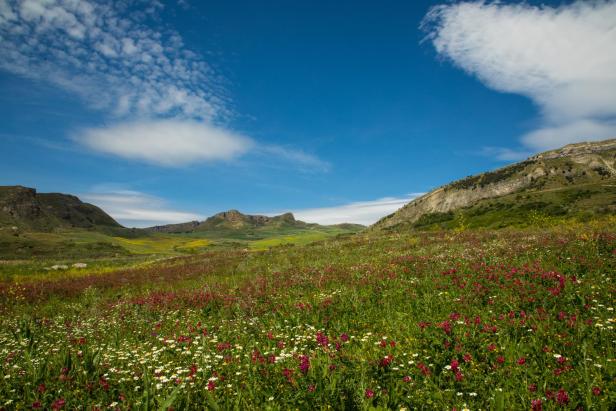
470	320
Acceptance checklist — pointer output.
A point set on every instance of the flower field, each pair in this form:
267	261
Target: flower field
490	320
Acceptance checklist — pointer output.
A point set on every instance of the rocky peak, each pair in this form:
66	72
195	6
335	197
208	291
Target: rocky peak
288	217
230	215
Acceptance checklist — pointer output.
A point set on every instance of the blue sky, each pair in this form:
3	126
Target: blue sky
337	111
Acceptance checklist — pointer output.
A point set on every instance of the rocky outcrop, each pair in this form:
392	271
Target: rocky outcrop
24	207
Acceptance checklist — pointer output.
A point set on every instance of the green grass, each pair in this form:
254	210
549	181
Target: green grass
79	243
528	208
301	238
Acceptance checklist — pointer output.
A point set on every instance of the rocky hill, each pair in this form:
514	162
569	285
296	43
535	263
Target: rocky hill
233	220
24	208
576	179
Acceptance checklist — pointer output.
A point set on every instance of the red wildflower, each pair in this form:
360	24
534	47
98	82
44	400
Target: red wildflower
423	325
304	364
536	405
211	385
500	359
223	346
288	374
596	391
445	326
467	358
36	405
256	356
491	347
424	369
407	378
369	393
344	337
386	361
521	361
562	397
193	371
104	384
312	388
532	388
455	365
58	404
322	339
42	388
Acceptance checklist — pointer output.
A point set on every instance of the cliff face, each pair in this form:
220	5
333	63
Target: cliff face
575	164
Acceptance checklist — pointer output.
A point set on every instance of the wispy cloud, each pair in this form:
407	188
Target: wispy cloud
361	212
107	54
137	209
505	154
164	103
562	58
305	161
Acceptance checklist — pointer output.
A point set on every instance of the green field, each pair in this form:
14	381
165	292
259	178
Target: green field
29	255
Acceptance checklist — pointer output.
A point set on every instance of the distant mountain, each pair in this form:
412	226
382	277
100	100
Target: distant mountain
576	180
24	208
233	224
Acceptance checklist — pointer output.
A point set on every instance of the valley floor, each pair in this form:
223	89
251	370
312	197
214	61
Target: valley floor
507	319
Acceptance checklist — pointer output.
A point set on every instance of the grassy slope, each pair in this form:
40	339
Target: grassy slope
545	206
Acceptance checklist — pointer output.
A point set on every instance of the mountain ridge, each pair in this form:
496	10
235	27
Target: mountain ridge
567	168
234	220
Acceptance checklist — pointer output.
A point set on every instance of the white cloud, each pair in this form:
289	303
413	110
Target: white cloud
114	56
363	212
562	58
166	142
580	130
136	209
